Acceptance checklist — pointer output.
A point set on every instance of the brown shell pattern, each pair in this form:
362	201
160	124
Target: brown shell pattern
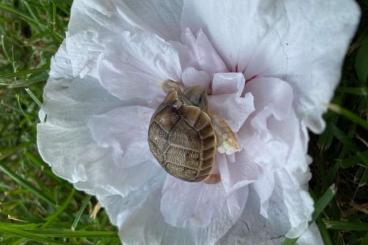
183	141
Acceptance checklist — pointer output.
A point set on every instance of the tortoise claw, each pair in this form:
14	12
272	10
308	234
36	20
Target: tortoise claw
212	179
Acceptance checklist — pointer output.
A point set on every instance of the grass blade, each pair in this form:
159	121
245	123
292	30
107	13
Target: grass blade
34	97
4	228
363	91
76	234
288	241
36	232
60	210
349	115
80	212
323	201
324	234
345	226
26	185
23	73
19	14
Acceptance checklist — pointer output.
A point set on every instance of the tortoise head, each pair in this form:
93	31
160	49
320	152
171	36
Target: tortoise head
194	95
197	96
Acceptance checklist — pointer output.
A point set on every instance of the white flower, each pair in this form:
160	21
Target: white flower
271	67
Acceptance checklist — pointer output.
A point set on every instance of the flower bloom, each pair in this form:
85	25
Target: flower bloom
270	67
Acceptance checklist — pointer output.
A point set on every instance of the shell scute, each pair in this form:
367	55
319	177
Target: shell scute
183	140
185	136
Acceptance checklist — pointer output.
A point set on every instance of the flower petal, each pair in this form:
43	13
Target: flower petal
134	65
64	140
315	54
228	83
273	95
140	220
193	77
113	16
311	236
235	28
252	228
278	38
273	138
77	56
203	52
194	206
227	101
69	98
125	131
98	17
70	150
238	172
159	16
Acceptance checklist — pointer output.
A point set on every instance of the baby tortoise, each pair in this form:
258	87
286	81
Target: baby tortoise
184	136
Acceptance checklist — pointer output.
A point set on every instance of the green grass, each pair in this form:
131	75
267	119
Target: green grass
36	207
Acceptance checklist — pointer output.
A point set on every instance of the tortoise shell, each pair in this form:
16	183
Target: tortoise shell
182	139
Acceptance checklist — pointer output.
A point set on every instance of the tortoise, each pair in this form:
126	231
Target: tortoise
184	136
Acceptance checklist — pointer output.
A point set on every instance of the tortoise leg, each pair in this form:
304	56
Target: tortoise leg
226	139
197	96
214	176
212	179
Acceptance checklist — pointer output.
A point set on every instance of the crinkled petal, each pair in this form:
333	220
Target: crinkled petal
134	65
204	54
264	187
64	140
193	77
141	222
69	99
124	130
77	56
227	101
237	171
235	28
103	17
272	138
228	83
315	54
279	38
159	16
272	94
194	205
252	228
113	16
